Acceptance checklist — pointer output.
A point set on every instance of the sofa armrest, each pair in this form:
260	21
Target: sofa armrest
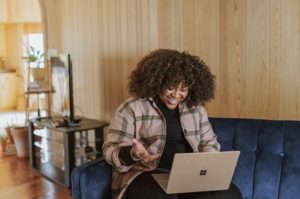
92	180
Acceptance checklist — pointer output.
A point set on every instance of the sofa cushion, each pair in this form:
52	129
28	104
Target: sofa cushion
92	180
269	164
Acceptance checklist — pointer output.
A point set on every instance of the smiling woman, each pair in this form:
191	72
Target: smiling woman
164	116
172	97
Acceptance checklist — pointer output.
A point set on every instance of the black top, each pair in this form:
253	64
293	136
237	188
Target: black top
175	141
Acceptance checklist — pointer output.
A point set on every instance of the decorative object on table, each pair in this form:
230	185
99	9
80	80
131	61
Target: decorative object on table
34	56
35	79
35	73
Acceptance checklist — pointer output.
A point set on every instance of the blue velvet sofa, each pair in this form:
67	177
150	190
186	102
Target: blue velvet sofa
268	166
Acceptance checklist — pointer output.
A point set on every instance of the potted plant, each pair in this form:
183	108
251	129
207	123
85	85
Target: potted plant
20	136
35	75
34	56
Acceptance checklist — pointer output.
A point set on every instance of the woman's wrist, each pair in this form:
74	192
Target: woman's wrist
133	156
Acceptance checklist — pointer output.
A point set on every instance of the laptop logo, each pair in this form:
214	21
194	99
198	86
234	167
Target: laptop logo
203	172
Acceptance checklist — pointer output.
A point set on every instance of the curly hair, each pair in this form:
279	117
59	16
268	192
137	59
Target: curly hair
165	68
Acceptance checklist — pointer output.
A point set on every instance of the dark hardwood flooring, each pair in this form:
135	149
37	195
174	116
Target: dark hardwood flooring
19	181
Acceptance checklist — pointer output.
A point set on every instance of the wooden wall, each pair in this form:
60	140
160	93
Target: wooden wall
2	41
19	11
252	46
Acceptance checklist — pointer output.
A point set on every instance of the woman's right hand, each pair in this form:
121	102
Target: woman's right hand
138	152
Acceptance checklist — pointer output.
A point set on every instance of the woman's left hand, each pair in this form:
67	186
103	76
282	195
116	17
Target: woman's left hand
139	152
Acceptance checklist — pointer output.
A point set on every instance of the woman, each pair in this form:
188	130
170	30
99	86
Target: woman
164	116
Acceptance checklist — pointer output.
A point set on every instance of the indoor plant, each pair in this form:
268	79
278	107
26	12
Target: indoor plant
20	136
34	56
35	72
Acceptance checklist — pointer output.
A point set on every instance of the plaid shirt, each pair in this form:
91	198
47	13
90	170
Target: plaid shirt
141	119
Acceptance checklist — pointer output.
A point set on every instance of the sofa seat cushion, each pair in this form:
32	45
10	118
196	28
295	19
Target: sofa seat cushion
269	164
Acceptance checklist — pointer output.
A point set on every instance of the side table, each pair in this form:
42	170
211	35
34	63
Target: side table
52	148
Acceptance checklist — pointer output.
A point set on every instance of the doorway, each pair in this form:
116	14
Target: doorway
21	27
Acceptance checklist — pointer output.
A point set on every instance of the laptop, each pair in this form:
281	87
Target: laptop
198	172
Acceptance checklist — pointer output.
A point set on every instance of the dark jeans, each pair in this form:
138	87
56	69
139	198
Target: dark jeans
145	187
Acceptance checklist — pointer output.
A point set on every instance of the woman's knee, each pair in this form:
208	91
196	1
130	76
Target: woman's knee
145	187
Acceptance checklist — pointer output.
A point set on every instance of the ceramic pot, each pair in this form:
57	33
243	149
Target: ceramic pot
10	139
20	136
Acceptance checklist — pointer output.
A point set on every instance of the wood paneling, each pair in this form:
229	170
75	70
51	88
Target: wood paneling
14	46
289	59
256	60
2	41
33	28
8	87
252	47
22	11
3	10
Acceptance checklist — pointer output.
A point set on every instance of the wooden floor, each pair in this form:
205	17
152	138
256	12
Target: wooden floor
19	181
